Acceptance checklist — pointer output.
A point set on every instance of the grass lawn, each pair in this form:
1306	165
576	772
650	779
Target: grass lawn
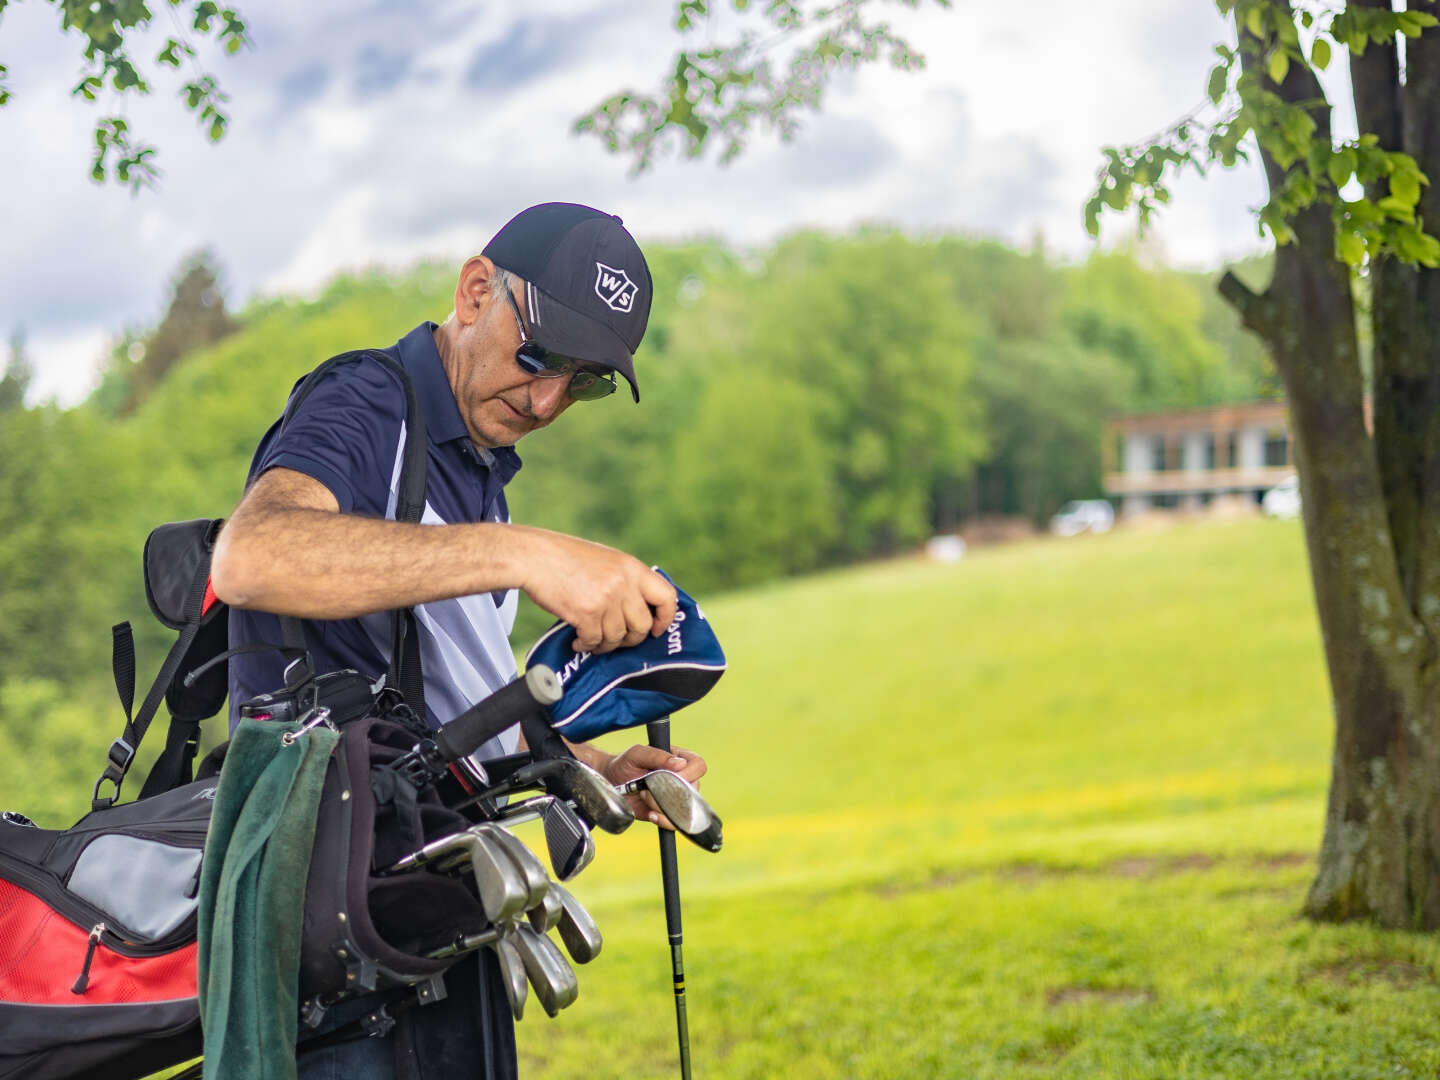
1050	811
1047	812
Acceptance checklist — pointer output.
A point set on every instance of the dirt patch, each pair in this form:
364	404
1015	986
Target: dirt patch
1152	867
890	889
1284	861
1099	995
1401	974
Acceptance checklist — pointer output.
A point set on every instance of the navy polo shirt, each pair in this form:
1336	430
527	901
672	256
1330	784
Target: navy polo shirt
348	435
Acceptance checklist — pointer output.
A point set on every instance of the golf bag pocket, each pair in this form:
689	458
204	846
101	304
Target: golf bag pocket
97	940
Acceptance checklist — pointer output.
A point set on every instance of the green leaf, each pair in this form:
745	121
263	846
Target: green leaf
1255	20
1092	216
1306	19
1279	66
1349	248
1219	79
1341	167
1405	187
1320	54
1397	208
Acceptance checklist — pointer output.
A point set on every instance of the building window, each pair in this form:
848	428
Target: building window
1210	451
1232	450
1157	453
1277	448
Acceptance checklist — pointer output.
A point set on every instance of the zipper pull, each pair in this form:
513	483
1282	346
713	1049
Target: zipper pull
84	979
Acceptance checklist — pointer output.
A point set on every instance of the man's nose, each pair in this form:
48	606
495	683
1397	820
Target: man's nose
546	396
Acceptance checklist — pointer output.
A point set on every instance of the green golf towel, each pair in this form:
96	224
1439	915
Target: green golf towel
252	893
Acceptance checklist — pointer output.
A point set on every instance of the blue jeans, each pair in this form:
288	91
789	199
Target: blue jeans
360	1059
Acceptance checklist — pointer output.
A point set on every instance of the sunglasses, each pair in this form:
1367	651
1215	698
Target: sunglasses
535	359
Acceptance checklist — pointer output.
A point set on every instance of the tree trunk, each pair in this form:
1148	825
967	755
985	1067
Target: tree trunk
1370	535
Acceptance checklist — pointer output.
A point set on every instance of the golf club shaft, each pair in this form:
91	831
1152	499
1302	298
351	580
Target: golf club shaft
659	732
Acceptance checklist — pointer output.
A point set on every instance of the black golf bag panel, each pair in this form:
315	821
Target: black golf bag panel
98	950
363	931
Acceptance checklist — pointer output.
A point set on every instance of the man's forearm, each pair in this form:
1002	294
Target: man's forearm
317	564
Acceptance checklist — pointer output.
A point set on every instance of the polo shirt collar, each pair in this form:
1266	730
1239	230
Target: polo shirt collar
421	359
443	422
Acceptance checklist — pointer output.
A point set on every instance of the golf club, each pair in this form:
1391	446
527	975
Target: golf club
659	732
567	838
553	979
577	929
545	915
504	892
512	967
537	882
679	801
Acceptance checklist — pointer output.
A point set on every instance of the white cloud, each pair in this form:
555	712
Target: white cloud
383	133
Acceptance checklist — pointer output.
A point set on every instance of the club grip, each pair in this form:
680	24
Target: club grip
529	695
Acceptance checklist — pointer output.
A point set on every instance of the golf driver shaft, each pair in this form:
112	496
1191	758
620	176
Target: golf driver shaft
659	732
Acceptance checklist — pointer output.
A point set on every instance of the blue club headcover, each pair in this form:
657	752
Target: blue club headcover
630	686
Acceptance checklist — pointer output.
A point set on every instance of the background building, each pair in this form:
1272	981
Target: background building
1189	458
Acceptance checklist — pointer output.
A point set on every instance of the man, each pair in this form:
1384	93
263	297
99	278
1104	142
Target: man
554	306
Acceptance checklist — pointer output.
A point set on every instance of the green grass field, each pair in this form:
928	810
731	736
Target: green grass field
1050	811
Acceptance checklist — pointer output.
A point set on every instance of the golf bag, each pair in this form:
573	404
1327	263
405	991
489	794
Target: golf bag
98	922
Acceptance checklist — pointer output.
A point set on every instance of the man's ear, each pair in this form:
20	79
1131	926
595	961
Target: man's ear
472	291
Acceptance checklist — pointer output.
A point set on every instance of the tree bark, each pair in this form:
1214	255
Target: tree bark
1365	533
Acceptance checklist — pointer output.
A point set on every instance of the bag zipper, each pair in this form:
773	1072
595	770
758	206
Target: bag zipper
82	913
96	933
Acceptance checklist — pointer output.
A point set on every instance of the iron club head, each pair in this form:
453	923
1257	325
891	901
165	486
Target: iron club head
577	929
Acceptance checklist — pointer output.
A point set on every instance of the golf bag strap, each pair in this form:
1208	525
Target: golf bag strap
405	673
122	750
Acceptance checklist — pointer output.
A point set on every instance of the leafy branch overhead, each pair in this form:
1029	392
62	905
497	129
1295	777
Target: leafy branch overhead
1372	192
109	29
719	92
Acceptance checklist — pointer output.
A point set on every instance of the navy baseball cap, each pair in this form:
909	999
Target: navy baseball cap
587	286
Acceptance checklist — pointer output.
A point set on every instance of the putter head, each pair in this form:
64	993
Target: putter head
577	929
512	968
568	841
553	979
686	808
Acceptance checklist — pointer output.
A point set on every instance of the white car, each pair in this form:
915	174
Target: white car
1083	515
1283	500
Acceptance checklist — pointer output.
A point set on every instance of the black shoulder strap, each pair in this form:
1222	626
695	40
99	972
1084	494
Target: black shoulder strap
173	765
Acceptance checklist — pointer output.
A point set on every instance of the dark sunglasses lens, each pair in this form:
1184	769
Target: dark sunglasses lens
537	360
588	386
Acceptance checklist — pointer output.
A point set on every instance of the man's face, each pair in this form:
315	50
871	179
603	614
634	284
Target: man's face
501	403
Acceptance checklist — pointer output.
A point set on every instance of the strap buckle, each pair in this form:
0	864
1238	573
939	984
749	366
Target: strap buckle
118	759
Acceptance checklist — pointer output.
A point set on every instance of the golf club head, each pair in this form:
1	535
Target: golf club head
532	870
568	841
553	979
504	889
686	808
593	795
512	967
545	915
577	929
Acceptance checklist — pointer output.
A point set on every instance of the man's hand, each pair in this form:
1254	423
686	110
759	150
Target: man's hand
639	760
611	598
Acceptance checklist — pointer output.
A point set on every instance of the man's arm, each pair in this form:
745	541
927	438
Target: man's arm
287	549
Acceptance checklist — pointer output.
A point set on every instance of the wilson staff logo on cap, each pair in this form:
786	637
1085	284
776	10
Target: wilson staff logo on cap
614	287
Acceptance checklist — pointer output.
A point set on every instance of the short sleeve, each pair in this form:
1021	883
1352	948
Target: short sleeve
346	435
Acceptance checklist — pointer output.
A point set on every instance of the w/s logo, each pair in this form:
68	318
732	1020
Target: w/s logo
615	288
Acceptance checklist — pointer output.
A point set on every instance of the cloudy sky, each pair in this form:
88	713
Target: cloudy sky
385	132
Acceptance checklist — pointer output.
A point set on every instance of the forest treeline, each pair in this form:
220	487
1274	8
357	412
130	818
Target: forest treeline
830	399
